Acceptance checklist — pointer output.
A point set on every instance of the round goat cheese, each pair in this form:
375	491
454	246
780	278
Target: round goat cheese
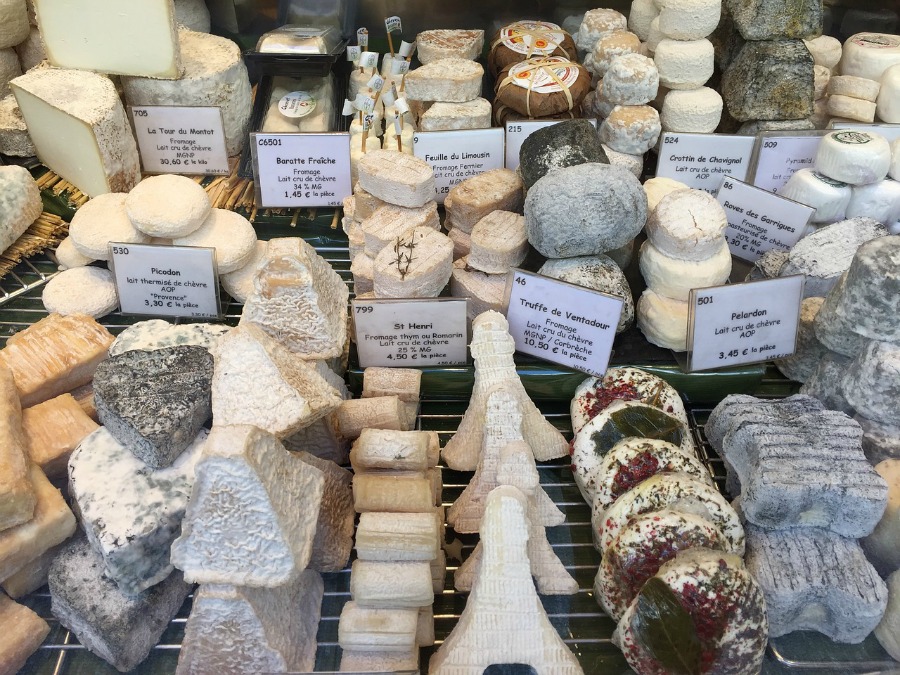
658	187
888	102
641	16
596	24
674	278
167	206
229	233
239	284
687	224
868	55
596	105
632	129
826	50
828	197
854	157
631	79
879	201
610	47
68	256
654	37
692	110
689	19
847	108
663	321
81	290
684	64
854	87
101	220
894	170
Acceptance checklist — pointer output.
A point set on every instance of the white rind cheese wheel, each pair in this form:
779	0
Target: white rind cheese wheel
632	129
68	256
684	64
663	321
689	19
654	37
826	50
853	157
631	79
167	206
641	16
214	75
612	46
848	108
828	197
101	220
821	78
894	169
868	55
692	110
854	87
879	201
229	233
658	187
674	278
888	102
239	284
81	290
687	224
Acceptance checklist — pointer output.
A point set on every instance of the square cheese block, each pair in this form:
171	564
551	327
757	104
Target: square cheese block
377	630
396	178
417	264
108	36
131	513
389	222
452	80
397	536
54	428
433	45
379	412
377	449
79	128
476	197
22	634
391	584
474	114
392	492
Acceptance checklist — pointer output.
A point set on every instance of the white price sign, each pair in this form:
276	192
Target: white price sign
743	323
562	323
890	131
701	160
457	155
759	221
410	333
180	139
517	132
778	157
301	169
166	280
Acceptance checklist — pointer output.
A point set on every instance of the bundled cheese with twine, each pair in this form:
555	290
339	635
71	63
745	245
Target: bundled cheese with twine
524	40
544	86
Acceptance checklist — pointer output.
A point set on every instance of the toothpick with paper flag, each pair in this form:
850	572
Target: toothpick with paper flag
391	24
407	49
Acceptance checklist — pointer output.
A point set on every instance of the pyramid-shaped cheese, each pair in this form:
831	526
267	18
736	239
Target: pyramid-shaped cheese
299	300
261	630
257	381
253	511
492	349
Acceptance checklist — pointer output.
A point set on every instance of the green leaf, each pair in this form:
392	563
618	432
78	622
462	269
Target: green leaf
640	421
666	630
57	205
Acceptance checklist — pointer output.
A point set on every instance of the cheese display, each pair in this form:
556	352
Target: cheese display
158	334
82	290
102	220
131	529
79	128
24	633
452	80
694	110
433	45
18	494
853	157
68	256
611	46
663	320
229	233
595	24
87	36
389	222
888	101
674	278
688	225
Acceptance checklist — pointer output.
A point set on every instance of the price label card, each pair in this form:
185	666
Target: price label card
301	169
778	157
410	333
457	155
180	139
562	323
759	221
517	132
743	323
889	131
700	160
166	280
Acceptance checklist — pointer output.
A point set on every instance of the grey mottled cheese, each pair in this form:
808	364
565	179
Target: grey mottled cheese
238	629
130	513
14	138
566	143
774	20
824	382
20	203
871	383
119	628
809	351
158	334
836	323
155	402
880	441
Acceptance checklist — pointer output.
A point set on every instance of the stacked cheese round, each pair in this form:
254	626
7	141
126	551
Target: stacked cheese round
826	53
685	249
630	126
684	58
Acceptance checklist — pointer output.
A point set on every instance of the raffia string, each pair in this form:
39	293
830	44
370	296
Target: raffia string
532	67
546	34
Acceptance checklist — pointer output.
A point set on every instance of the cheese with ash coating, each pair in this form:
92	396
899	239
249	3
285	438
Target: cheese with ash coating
20	203
871	382
159	334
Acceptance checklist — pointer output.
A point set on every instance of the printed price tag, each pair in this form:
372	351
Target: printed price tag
410	333
457	155
778	157
562	323
743	323
301	169
890	131
759	221
517	132
700	160
180	139
166	280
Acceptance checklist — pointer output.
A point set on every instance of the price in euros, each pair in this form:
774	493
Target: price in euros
734	353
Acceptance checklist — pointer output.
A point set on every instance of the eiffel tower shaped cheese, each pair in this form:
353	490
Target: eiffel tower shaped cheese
288	393
240	629
253	512
516	468
299	300
504	621
502	425
492	349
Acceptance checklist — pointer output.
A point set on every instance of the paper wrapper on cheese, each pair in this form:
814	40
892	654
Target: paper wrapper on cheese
544	86
528	39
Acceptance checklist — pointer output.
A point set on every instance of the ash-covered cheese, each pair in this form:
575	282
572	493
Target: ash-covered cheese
556	146
631	129
20	203
79	128
809	351
81	290
193	15
687	224
689	19
674	277
452	80
827	196
631	79
130	512
158	334
9	69
100	221
214	75
694	110
775	20
871	382
684	64
824	382
14	24
868	55
14	138
433	45
663	321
